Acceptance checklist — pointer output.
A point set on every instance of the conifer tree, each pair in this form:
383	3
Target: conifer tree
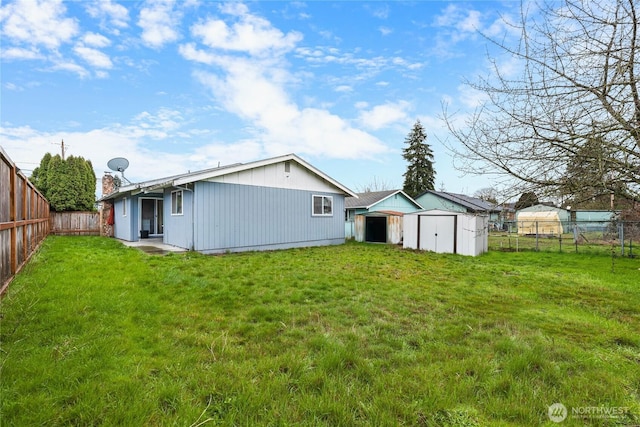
68	184
39	174
527	199
420	175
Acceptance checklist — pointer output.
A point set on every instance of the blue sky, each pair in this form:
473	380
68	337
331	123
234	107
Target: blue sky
188	85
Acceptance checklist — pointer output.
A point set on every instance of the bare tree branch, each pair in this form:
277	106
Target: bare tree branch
578	83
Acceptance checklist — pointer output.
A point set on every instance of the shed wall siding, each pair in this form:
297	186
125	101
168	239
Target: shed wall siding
594	215
242	217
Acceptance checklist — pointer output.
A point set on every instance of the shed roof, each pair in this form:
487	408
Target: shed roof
541	207
383	213
187	178
472	203
443	212
368	199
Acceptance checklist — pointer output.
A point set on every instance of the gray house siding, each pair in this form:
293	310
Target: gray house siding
179	229
125	225
238	217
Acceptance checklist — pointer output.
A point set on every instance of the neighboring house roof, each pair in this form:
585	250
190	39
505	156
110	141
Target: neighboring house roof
371	198
542	207
471	203
190	177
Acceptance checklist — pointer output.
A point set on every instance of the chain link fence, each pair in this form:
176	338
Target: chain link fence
613	237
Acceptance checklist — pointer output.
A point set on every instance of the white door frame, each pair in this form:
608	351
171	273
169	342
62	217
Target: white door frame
159	228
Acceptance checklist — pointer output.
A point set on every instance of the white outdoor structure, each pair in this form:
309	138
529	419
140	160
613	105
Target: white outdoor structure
446	232
539	222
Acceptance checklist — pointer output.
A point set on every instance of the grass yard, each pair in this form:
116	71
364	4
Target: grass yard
96	333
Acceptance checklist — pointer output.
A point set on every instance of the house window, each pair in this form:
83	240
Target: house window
124	206
176	202
322	206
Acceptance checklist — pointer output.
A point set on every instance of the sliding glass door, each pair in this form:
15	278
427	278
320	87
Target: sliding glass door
151	219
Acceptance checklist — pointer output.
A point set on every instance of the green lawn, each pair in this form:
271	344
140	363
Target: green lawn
96	333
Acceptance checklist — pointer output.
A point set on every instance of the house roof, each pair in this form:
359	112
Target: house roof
371	198
472	203
187	178
542	207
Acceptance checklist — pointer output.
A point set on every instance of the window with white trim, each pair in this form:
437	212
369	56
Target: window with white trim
124	206
322	205
176	202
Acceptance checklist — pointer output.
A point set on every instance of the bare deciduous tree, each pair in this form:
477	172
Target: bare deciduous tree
579	82
376	184
488	194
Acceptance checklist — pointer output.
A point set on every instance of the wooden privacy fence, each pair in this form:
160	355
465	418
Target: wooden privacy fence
75	223
24	220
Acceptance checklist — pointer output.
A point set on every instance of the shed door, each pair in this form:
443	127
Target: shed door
437	233
376	229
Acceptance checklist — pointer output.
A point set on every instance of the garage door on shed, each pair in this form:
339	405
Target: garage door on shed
437	233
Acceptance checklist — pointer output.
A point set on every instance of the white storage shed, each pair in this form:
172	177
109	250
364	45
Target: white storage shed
446	232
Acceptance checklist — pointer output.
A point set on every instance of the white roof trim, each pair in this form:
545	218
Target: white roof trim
188	178
393	194
200	176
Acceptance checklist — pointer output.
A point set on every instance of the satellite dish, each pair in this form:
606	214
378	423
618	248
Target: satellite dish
118	164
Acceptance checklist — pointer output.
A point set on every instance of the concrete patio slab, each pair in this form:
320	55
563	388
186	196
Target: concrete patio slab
153	246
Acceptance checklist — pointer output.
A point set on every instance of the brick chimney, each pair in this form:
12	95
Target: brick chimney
108	184
106	209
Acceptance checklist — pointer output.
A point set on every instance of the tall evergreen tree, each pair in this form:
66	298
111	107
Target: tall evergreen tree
420	175
527	199
39	174
68	185
587	175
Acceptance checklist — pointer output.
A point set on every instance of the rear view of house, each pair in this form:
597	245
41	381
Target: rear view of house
277	203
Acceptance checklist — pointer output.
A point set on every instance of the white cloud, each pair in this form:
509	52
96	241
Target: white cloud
26	147
471	97
158	125
191	53
251	34
378	10
71	67
159	20
95	40
13	87
382	116
471	22
93	57
254	88
112	14
280	125
456	24
21	53
37	22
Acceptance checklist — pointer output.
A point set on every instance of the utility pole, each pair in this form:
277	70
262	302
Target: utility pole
62	148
